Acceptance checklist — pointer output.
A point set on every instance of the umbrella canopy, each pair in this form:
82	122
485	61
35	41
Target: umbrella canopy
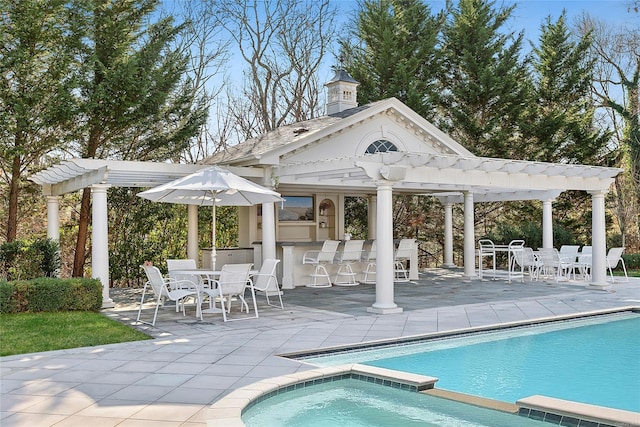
213	186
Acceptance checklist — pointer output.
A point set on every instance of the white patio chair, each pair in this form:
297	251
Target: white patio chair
486	249
402	255
515	254
184	264
614	257
233	282
351	253
320	259
531	262
267	282
370	258
569	253
553	265
583	265
165	288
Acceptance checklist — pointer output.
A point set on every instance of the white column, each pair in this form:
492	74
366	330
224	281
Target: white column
469	237
372	213
53	217
448	236
547	224
100	241
384	252
288	260
192	232
268	231
53	220
598	242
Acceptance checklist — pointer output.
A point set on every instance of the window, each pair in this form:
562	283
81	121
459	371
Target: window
381	146
296	208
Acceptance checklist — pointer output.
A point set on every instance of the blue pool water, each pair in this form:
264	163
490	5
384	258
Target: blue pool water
355	403
595	361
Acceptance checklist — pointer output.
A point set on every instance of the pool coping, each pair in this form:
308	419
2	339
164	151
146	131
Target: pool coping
228	411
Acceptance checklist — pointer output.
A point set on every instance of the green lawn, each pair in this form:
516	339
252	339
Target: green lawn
34	332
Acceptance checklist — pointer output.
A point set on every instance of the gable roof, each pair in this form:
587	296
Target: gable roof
270	147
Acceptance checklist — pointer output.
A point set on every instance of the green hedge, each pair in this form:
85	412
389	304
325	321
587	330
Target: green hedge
631	261
50	294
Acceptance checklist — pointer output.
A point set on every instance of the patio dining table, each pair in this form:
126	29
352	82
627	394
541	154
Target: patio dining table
209	276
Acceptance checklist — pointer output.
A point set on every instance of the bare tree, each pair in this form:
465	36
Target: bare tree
282	43
616	87
204	42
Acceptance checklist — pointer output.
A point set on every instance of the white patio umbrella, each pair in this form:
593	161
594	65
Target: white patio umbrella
212	186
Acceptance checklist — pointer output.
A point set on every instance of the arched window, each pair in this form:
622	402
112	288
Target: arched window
381	146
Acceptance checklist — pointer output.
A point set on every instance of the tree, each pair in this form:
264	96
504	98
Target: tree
282	42
134	100
393	53
562	114
617	87
486	86
35	90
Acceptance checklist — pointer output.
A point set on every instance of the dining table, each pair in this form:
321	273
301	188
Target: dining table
209	276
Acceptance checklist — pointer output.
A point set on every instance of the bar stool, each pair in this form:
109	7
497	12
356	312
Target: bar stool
487	249
402	254
350	254
319	259
370	258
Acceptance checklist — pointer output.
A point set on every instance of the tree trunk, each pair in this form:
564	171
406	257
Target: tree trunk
14	189
83	227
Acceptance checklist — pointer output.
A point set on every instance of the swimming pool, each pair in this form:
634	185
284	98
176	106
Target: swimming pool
356	403
594	360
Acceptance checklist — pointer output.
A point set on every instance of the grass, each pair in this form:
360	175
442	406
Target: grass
35	332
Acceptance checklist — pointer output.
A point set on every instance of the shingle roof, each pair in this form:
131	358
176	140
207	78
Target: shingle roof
254	148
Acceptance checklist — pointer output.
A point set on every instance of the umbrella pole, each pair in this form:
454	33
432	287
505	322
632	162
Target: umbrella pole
213	233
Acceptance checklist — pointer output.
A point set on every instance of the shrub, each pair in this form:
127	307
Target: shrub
25	260
50	294
631	261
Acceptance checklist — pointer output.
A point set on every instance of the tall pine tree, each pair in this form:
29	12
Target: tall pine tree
485	81
393	53
561	117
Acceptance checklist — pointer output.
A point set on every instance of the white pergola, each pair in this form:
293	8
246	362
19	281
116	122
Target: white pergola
450	178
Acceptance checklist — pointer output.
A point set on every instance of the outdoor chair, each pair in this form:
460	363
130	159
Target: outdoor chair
487	249
530	261
320	259
233	282
553	264
583	265
402	255
569	253
166	288
184	264
370	258
515	254
614	257
351	253
267	282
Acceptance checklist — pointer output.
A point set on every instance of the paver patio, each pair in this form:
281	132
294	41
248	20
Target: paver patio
173	379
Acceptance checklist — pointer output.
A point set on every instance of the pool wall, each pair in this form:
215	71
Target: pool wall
228	410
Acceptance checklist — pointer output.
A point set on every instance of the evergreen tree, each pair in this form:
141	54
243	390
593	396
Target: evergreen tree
485	81
561	123
134	102
393	53
35	60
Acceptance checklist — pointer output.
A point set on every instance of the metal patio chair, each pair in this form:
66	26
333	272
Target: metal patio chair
320	259
351	253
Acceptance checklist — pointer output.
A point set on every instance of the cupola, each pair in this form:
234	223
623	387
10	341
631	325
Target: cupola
342	92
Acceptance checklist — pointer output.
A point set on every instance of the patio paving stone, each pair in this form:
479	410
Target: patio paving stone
172	379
